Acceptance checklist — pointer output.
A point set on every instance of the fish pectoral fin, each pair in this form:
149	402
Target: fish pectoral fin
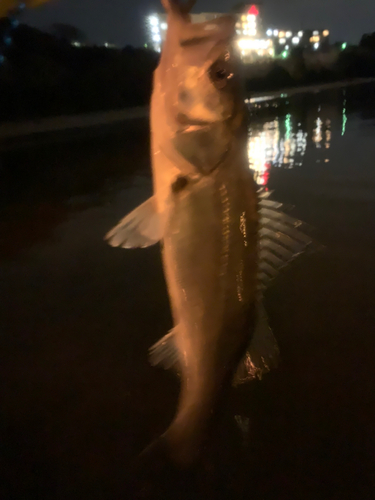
141	228
262	354
165	353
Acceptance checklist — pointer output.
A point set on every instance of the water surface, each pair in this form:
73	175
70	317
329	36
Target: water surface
79	399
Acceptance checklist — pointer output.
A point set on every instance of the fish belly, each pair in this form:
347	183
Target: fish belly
210	260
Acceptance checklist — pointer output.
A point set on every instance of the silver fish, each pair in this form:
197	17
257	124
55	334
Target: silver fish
221	241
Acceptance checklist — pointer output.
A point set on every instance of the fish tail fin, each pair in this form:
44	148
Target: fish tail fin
263	353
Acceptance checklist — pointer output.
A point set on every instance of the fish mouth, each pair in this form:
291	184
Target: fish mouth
191	125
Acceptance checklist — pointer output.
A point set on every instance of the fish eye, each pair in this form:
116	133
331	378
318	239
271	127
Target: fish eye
220	72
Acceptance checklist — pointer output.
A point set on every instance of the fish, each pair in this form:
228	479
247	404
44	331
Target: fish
222	239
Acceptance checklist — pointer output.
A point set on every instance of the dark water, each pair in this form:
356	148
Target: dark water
78	398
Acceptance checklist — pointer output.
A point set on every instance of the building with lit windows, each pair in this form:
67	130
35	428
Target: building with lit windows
253	40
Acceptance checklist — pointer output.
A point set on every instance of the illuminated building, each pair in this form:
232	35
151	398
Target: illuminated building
253	40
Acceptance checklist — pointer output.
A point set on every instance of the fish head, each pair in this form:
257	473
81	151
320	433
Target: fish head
199	86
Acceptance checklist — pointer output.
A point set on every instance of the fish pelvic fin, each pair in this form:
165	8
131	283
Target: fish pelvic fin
262	354
141	228
165	353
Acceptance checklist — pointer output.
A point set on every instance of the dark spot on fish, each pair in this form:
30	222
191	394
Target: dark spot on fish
179	184
183	96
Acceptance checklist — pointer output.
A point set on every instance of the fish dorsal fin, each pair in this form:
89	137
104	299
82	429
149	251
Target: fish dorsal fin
281	240
141	228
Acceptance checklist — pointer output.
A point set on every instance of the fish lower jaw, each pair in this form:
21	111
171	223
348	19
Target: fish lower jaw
196	128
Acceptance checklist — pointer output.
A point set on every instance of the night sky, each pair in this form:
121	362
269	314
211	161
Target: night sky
122	21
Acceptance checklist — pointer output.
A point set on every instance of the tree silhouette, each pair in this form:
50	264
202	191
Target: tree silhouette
67	33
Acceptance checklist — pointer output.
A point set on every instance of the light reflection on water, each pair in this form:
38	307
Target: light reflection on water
284	140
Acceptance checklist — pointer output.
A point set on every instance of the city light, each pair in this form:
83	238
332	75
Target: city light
247	34
344	45
249	44
253	10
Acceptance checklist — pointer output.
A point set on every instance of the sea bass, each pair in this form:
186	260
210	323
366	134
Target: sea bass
213	227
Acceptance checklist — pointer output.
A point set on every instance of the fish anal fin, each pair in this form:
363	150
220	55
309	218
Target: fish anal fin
141	228
262	354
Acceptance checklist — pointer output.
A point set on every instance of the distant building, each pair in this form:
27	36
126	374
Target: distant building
253	40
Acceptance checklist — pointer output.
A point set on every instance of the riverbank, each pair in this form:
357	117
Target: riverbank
17	134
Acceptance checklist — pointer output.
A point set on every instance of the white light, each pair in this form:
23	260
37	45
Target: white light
316	46
238	32
245	32
300	34
253	44
269	32
275	32
286	47
155	30
156	38
251	17
252	32
164	26
315	33
282	41
154	21
289	34
295	40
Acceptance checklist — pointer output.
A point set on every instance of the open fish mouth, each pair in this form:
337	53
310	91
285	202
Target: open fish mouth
191	124
197	127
